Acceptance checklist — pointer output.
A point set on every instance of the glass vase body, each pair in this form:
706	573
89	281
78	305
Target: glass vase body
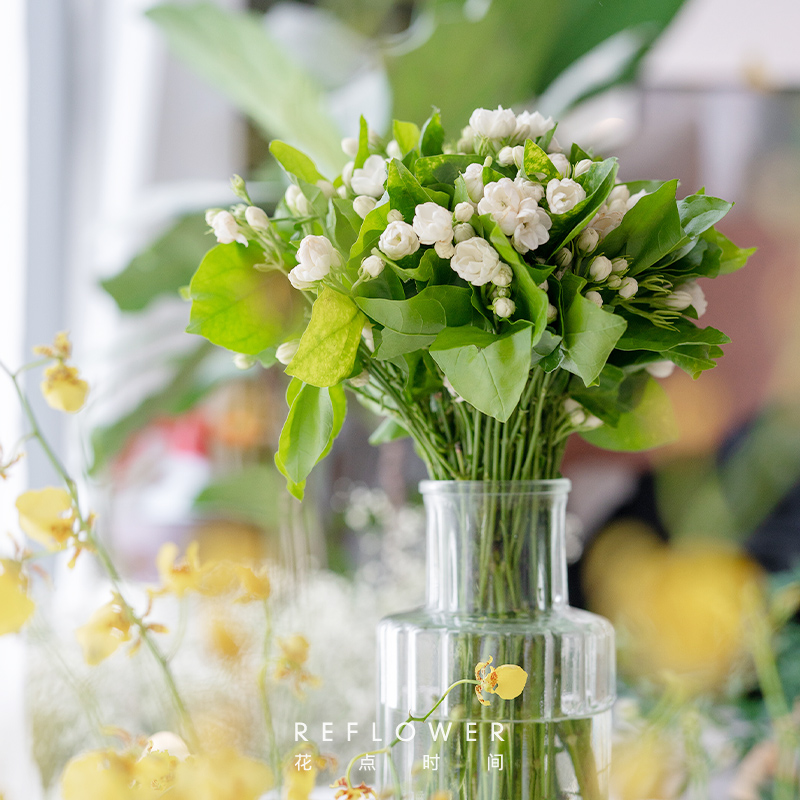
496	587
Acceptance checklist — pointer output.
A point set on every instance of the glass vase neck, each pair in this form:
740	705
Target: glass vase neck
496	547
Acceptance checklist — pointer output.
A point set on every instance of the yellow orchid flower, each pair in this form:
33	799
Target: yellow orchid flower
61	348
255	585
349	792
291	664
16	607
179	576
506	681
105	631
221	775
63	389
47	516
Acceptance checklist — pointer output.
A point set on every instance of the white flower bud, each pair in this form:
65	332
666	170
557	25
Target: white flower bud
532	125
561	163
444	249
342	191
463	212
501	291
285	352
503	307
519	156
587	240
505	157
360	380
582	167
210	214
256	218
398	240
316	257
544	286
563	257
297	202
504	276
614	281
370	178
432	223
473	177
463	231
363	204
466	144
350	147
326	187
628	288
600	268
226	230
552	313
591	422
498	124
393	150
372	266
563	195
594	297
243	361
687	294
368	337
575	411
394	216
619	265
347	174
660	369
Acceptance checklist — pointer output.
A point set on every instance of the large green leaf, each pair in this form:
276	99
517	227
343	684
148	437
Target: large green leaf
237	306
444	168
235	53
424	313
488	370
327	350
733	257
641	334
163	267
295	162
406	192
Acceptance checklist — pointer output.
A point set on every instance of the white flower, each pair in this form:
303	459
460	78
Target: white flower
563	195
393	149
619	265
660	369
463	212
628	288
363	204
563	257
368	337
372	266
444	249
315	258
605	221
582	167
532	125
476	261
635	198
533	226
554	146
506	156
552	313
561	163
614	282
591	422
432	223
342	191
256	218
326	187
501	200
504	276
685	295
210	214
595	298
360	380
600	268
473	177
497	124
370	178
347	173
394	215
398	240
503	306
463	231
466	144
285	352
587	240
244	361
226	230
528	190
350	147
575	411
451	391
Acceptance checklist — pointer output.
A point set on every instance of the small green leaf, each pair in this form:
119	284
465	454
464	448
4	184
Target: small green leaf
431	140
295	162
699	212
443	169
406	134
363	144
395	344
641	334
327	350
733	258
424	313
488	370
538	162
406	192
372	227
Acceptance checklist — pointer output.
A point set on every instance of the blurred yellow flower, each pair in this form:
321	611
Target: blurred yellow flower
254	585
349	792
63	389
99	775
4	467
291	663
105	631
179	576
61	348
47	516
506	681
16	607
300	775
225	640
646	765
680	610
222	775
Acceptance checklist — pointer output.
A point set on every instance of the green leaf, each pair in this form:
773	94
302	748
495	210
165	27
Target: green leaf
641	334
538	162
395	344
648	232
327	350
363	144
424	313
163	267
431	139
699	212
406	134
347	224
406	192
590	334
235	305
388	431
295	162
234	53
650	424
372	227
733	258
488	370
613	394
445	168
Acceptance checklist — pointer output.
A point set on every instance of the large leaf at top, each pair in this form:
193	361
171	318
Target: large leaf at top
488	370
424	313
532	41
235	53
163	267
236	306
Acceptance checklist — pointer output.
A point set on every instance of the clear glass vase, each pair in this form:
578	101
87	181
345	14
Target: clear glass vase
496	586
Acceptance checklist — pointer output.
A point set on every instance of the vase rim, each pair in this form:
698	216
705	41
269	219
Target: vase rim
551	486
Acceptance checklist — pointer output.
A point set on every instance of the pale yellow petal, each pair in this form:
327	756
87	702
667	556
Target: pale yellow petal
63	389
16	607
46	515
106	630
97	775
511	680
